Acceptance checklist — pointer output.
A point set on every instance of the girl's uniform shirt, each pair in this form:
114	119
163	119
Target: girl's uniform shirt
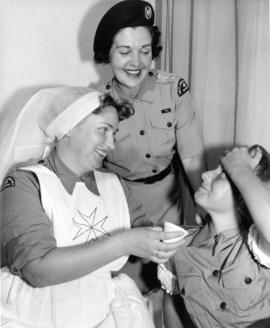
218	278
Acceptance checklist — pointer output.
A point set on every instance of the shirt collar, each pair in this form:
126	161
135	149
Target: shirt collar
67	177
206	236
145	87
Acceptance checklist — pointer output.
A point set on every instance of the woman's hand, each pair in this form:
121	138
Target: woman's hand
148	243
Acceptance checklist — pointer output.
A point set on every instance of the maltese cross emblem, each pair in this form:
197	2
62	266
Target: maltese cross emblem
89	226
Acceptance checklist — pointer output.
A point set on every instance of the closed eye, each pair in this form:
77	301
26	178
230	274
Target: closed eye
103	130
124	50
146	50
124	53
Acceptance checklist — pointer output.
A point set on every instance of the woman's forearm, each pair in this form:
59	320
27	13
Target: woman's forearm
68	263
63	264
194	167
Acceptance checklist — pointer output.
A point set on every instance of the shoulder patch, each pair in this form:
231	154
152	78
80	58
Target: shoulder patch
8	182
165	76
182	87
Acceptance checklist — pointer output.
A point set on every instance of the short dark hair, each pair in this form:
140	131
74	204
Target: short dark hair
124	108
262	171
102	57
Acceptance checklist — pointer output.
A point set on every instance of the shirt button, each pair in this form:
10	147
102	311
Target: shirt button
150	73
248	280
108	87
223	305
216	238
154	171
215	273
169	124
183	292
142	132
147	155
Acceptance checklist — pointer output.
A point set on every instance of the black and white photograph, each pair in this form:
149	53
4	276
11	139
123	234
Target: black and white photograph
135	163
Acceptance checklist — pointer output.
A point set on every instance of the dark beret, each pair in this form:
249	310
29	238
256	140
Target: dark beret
127	13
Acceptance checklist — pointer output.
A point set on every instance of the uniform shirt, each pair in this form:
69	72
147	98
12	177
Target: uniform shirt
26	230
163	117
220	281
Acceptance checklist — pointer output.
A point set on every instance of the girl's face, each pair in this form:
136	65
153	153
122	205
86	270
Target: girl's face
91	140
131	55
215	193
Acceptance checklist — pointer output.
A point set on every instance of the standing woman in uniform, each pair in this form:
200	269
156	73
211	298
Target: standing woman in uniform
164	121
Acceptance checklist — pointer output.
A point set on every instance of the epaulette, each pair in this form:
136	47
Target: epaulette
162	76
165	77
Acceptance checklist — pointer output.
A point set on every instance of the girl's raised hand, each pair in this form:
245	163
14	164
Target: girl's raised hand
240	158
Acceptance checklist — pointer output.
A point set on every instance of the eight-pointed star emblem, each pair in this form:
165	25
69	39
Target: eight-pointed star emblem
90	226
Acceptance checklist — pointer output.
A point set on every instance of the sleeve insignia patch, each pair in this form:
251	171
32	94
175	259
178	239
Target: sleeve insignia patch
182	87
7	183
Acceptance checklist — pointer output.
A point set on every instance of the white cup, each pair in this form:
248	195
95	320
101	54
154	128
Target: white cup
170	227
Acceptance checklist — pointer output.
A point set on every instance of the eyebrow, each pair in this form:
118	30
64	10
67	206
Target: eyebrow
124	46
108	124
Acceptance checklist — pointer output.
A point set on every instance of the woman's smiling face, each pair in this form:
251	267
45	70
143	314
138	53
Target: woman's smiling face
89	142
131	55
215	193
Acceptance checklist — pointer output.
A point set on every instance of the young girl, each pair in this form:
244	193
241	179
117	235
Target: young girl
222	271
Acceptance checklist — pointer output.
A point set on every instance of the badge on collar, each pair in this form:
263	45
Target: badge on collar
182	87
8	182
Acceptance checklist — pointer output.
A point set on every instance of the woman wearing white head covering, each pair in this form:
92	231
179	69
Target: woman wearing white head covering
65	224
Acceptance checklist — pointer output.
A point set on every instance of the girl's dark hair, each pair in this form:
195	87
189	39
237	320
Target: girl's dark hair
123	108
103	57
262	171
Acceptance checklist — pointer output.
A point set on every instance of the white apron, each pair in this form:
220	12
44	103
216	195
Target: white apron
95	300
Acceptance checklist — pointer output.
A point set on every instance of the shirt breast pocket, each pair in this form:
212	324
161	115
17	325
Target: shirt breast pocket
163	130
244	286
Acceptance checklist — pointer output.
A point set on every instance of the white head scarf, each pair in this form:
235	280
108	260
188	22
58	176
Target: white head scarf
48	116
